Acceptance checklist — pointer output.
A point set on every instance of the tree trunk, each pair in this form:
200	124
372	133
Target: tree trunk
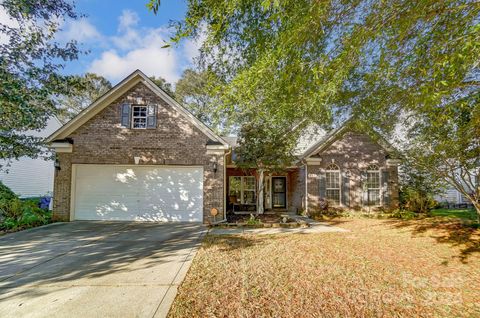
260	207
476	205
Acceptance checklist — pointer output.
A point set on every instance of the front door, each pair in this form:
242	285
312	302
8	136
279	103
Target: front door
279	192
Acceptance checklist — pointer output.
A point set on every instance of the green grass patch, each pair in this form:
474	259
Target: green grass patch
466	214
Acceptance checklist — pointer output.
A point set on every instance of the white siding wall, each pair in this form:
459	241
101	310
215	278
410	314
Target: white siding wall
29	177
451	195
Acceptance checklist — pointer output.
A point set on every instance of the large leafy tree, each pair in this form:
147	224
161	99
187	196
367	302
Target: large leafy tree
314	61
85	89
445	143
30	65
196	91
261	148
357	55
164	85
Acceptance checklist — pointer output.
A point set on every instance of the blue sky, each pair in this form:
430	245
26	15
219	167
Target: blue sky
123	35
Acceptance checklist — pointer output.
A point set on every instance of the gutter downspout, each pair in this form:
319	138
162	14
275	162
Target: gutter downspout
306	187
225	154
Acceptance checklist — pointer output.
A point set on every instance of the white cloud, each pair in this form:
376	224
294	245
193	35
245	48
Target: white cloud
127	40
127	20
191	47
80	30
137	48
134	47
151	60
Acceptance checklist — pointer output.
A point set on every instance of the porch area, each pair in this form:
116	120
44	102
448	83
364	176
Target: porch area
282	192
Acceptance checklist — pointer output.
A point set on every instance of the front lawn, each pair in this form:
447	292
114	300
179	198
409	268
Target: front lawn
381	268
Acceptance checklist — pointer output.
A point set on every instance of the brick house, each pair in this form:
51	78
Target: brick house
343	169
136	154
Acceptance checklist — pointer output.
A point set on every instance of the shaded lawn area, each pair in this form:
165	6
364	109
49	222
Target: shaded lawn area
380	268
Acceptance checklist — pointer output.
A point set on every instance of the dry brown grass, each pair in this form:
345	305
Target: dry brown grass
380	268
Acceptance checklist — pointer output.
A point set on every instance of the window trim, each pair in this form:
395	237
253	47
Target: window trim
243	190
132	126
333	168
373	168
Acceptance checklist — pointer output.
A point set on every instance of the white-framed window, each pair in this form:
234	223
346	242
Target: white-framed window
373	185
248	190
235	188
139	117
242	188
332	184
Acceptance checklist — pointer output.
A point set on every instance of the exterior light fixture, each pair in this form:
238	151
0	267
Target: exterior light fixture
215	167
57	164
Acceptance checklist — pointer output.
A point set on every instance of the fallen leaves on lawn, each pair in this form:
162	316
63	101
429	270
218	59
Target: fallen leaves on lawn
380	268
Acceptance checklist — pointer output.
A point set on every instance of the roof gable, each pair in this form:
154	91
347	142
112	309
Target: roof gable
325	141
118	90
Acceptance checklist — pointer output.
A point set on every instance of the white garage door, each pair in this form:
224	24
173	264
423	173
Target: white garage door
139	193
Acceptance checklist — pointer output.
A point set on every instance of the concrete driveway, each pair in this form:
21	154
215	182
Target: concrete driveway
95	269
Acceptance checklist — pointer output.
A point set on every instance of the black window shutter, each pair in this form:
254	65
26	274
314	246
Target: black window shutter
322	186
364	188
386	190
125	115
152	116
345	190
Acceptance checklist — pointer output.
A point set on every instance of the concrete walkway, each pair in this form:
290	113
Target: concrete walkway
315	227
95	269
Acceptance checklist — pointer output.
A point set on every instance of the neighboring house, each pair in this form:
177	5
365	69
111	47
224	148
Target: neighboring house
451	196
136	154
29	177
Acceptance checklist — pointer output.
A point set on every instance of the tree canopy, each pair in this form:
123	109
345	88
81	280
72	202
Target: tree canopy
85	89
303	61
30	64
316	59
195	90
163	84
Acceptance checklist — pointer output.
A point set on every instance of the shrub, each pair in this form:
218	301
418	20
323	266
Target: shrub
17	214
404	215
253	220
6	193
330	213
12	208
416	201
418	187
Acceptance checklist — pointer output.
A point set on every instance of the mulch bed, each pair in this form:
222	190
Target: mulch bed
264	218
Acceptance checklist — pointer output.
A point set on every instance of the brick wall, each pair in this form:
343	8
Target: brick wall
353	152
175	141
297	190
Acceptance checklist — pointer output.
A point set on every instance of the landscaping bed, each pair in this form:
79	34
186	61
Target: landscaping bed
19	214
261	220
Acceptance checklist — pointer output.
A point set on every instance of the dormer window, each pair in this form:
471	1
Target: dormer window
139	117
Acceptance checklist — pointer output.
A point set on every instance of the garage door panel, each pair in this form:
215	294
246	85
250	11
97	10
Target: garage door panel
109	192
